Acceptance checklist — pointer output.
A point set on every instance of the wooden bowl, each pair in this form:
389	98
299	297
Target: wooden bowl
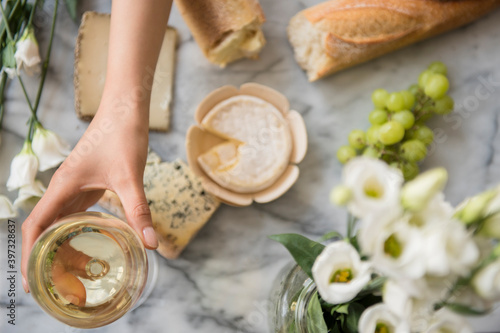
199	141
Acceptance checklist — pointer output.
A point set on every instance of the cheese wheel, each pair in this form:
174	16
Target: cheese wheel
258	148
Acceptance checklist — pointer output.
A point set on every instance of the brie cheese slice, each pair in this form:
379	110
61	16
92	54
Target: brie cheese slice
258	148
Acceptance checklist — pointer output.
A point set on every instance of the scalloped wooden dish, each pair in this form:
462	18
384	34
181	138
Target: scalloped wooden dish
198	141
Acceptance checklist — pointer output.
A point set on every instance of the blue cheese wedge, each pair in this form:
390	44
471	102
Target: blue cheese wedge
179	205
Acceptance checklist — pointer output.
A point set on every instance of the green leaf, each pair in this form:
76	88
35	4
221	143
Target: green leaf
331	235
302	249
8	59
71	5
465	310
315	320
355	311
343	308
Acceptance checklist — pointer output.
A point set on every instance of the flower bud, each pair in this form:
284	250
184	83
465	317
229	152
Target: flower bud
340	195
475	208
416	194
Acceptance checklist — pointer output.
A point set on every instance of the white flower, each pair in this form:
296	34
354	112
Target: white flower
27	55
477	207
486	282
339	273
398	250
417	193
23	168
397	298
379	316
449	249
49	147
6	209
375	186
29	195
447	321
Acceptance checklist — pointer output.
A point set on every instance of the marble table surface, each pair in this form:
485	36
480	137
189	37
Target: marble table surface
222	280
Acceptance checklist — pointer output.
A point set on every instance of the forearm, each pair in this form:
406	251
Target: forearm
137	31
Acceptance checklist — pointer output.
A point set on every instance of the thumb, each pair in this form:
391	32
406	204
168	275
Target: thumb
138	214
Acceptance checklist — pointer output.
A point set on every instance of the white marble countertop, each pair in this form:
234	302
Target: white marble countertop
222	280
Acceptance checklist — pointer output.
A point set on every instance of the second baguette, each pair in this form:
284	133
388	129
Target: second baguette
338	34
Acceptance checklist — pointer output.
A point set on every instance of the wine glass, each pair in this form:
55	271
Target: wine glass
88	269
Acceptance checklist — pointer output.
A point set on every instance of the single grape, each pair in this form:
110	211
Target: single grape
410	170
405	118
409	99
357	139
436	86
413	150
379	98
424	134
377	117
444	105
395	102
345	153
372	134
414	89
391	132
424	77
371	152
438	67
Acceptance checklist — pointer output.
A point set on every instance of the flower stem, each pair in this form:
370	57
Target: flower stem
33	112
11	15
32	13
2	88
6	20
45	65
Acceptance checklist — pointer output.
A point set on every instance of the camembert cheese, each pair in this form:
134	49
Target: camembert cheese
91	55
258	146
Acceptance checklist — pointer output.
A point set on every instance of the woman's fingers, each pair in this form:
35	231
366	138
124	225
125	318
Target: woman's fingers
138	214
68	286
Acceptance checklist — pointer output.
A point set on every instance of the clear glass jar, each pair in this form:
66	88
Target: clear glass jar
290	296
88	269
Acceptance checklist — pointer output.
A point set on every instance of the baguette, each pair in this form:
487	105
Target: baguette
225	30
337	34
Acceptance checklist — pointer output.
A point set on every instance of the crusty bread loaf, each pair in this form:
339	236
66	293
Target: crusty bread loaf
338	34
225	30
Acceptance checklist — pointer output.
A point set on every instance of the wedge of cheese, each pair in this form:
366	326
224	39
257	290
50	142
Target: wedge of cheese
258	148
179	205
91	55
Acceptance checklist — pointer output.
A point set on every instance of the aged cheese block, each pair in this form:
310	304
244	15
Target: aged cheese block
91	54
258	148
178	203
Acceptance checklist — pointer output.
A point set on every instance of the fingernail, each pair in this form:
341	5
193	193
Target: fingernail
25	286
150	237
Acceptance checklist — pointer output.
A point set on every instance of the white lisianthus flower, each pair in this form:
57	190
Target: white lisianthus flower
6	208
486	282
339	273
378	318
374	186
23	168
449	249
49	147
447	321
417	193
27	54
29	195
398	251
397	298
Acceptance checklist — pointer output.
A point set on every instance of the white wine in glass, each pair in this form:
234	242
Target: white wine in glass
88	269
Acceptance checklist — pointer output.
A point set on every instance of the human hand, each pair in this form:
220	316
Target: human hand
111	155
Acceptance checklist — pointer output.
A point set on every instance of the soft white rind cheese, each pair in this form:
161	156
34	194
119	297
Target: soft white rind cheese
259	146
91	55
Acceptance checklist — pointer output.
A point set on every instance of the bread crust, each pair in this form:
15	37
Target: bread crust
357	31
212	21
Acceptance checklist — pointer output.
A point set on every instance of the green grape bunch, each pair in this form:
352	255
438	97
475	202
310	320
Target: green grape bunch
398	134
